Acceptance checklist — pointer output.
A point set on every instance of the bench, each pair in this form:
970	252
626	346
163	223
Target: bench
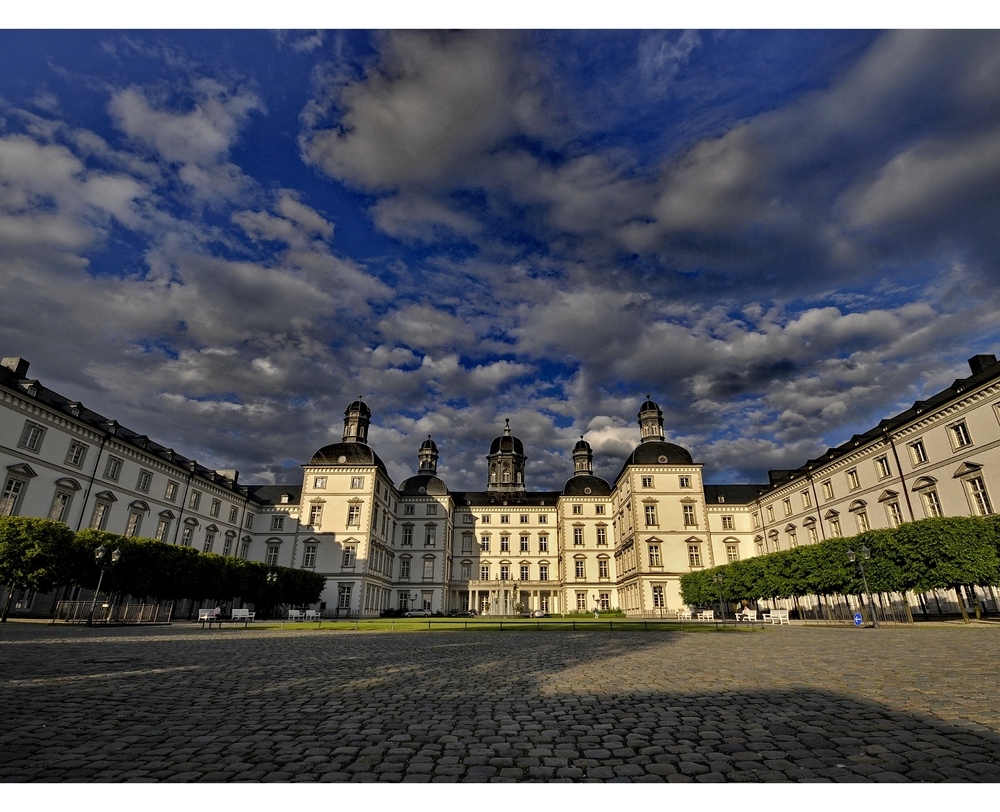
683	614
708	614
208	616
242	614
776	617
294	614
312	614
748	614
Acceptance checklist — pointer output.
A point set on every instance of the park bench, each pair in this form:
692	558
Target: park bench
776	617
242	614
708	614
683	614
295	614
748	614
311	614
208	616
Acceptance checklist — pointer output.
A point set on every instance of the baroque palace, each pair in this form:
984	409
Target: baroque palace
504	550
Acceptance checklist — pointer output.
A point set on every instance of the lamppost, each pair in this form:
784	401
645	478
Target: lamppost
719	578
272	580
100	558
853	558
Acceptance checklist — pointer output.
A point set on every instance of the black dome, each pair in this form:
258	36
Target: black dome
428	445
507	443
657	453
359	406
346	454
423	485
586	486
649	405
582	445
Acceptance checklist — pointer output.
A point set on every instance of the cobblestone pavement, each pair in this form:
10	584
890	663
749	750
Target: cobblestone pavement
789	704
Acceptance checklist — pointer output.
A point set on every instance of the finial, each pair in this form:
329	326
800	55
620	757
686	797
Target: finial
506	428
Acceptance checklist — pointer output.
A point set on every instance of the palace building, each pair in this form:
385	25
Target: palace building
504	550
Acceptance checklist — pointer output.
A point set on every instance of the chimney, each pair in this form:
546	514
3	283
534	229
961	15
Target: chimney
977	363
20	367
231	474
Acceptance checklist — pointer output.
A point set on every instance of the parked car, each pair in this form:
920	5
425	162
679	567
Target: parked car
417	613
540	613
462	613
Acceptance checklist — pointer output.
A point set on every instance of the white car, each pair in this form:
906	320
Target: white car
417	613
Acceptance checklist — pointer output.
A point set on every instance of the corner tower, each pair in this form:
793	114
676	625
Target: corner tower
428	457
506	462
583	459
357	418
650	422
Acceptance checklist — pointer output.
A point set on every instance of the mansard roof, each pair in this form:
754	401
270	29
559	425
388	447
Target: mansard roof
585	485
733	494
348	454
423	485
271	494
501	498
656	452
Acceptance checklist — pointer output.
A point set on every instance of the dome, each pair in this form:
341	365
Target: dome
657	453
428	445
359	406
423	485
507	443
649	405
346	454
586	486
582	445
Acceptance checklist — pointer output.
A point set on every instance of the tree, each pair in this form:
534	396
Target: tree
34	554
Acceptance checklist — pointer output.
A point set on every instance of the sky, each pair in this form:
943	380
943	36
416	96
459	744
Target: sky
220	238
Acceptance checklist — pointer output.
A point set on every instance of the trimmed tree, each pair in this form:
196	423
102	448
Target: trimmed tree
34	554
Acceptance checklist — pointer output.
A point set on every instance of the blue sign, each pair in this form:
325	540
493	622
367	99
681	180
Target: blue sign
858	619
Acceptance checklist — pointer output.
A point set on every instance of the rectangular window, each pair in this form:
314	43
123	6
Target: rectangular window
543	544
786	504
344	596
484	572
524	518
756	520
543	518
277	524
466	571
828	490
647	482
233	514
863	524
113	469
428	569
485	519
354	516
357	482
430	536
216	507
504	519
651	515
893	514
467	544
525	544
605	601
76	455
432	510
917	452
658	602
209	541
134	523
959	435
504	544
599	510
227	547
350	556
684	481
319	482
580	568
770	514
806	499
689	520
835	528
813	534
248	522
732	552
980	498
60	506
187	536
484	544
194	501
315	515
409	510
404	568
853	483
144	481
602	568
932	504
728	523
882	469
162	528
602	536
309	556
577	510
654	555
577	536
525	572
31	436
581	601
407	536
505	572
468	519
170	494
99	521
271	559
694	555
543	572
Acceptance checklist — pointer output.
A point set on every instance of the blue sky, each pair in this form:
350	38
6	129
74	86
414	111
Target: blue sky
220	238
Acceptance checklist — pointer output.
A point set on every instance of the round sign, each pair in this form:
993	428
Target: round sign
341	458
858	620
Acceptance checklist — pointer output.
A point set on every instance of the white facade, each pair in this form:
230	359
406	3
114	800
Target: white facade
505	550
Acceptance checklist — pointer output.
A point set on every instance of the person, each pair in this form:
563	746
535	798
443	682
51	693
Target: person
597	615
216	612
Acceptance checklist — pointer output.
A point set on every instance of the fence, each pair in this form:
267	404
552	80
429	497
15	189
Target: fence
79	612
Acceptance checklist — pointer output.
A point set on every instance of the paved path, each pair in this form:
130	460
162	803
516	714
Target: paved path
787	704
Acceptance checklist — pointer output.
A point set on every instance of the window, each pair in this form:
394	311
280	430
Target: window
728	523
756	520
309	556
484	544
689	520
113	469
227	548
315	515
319	482
651	515
504	519
959	433
882	469
581	601
786	504
209	541
467	543
485	519
216	507
932	504
647	482
350	556
543	572
604	598
135	523
599	510
658	602
233	514
76	455
466	571
194	501
428	569
505	572
578	536
344	596
684	481
404	568
893	514
504	544
694	555
277	524
770	513
432	510
31	436
917	452
525	544
524	518
187	536
525	572
248	522
60	506
543	544
407	535
484	572
828	490
409	510
543	518
654	555
806	499
354	516
170	494
271	558
793	540
835	528
602	568
853	483
602	536
577	510
732	552
357	482
468	519
99	520
980	498
162	529
430	535
813	534
863	525
580	568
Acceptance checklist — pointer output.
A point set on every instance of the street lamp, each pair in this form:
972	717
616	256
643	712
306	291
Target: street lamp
853	558
272	580
100	558
719	578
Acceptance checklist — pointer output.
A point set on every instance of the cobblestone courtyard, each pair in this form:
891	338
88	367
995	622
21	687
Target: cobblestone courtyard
185	704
